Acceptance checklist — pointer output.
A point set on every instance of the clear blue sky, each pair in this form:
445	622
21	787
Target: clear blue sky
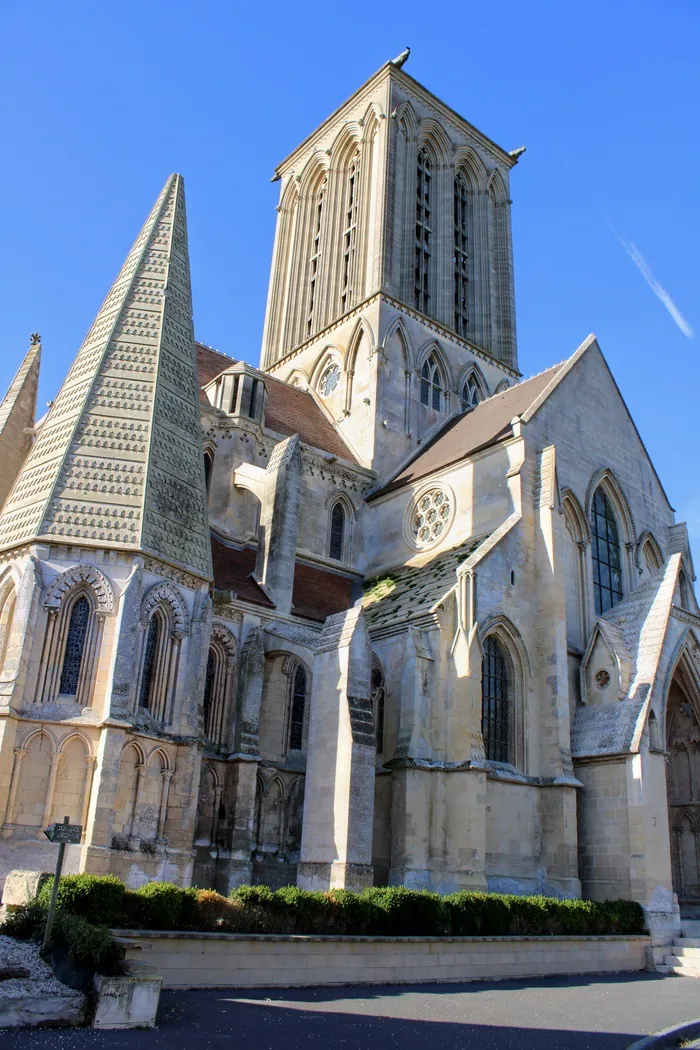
100	102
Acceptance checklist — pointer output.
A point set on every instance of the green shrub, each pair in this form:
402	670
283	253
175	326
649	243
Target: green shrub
399	912
162	906
25	922
87	944
97	898
479	914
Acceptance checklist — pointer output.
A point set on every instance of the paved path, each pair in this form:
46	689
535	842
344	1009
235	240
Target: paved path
595	1013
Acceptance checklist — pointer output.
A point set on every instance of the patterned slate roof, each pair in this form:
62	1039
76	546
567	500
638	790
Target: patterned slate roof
413	592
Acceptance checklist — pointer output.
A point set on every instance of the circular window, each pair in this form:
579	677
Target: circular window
429	517
329	380
602	678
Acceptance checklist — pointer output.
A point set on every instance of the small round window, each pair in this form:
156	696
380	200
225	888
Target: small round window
329	380
430	516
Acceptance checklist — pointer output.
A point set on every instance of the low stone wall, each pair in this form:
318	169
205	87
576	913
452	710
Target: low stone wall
221	960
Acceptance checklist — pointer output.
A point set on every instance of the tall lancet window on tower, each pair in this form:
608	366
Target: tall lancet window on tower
423	232
461	258
431	384
349	236
315	257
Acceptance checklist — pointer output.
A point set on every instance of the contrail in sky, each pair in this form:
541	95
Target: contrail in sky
658	289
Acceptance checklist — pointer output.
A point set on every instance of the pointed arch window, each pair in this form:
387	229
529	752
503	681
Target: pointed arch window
461	256
208	467
337	531
431	384
7	611
349	236
218	685
75	646
470	395
495	702
423	232
378	694
607	563
315	256
209	685
297	707
153	644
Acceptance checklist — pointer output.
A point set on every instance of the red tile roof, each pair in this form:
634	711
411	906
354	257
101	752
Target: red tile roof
290	410
463	435
232	569
319	593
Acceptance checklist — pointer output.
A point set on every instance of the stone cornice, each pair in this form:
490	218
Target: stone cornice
687	617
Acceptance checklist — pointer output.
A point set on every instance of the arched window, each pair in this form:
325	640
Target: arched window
208	467
153	644
470	395
431	384
298	703
495	702
315	256
8	599
423	232
349	236
218	685
607	566
378	693
461	257
75	647
337	531
207	702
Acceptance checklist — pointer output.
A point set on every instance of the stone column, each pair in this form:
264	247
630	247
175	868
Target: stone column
167	775
336	844
138	793
10	809
90	761
56	760
279	517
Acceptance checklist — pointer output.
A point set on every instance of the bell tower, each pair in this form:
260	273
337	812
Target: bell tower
393	231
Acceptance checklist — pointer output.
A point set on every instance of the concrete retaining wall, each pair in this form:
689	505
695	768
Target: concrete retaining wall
220	960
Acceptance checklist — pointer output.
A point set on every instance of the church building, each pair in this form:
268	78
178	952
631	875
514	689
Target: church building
380	611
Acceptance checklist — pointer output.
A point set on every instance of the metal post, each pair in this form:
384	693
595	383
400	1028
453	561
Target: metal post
54	893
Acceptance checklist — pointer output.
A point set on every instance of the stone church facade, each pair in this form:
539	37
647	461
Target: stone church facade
379	611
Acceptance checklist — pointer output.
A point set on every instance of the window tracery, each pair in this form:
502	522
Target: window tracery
495	702
430	517
607	565
75	646
329	379
349	235
431	384
423	232
470	395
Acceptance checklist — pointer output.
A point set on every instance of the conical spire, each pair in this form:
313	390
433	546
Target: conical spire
118	461
17	413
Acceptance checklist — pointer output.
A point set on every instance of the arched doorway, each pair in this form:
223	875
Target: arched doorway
683	775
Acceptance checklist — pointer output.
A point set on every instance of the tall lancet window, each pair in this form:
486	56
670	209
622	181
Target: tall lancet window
349	236
431	384
607	566
75	647
153	638
298	703
337	531
461	258
315	256
495	702
423	232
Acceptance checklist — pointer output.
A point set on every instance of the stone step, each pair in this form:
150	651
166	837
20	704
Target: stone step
690	942
686	951
684	971
690	927
685	967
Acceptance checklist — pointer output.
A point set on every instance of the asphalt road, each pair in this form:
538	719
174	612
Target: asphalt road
594	1013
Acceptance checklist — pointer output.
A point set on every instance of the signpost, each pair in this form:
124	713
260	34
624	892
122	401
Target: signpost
63	834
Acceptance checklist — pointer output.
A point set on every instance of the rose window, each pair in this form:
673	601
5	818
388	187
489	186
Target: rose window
329	380
432	515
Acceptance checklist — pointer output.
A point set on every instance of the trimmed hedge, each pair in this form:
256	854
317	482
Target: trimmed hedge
102	901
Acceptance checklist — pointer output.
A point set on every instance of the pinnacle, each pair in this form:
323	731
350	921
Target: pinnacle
118	461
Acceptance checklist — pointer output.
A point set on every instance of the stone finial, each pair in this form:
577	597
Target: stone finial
35	339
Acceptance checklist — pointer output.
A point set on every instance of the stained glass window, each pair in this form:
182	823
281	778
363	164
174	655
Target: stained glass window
149	659
461	257
470	395
296	728
75	647
607	568
423	232
378	692
495	702
431	384
431	517
337	530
